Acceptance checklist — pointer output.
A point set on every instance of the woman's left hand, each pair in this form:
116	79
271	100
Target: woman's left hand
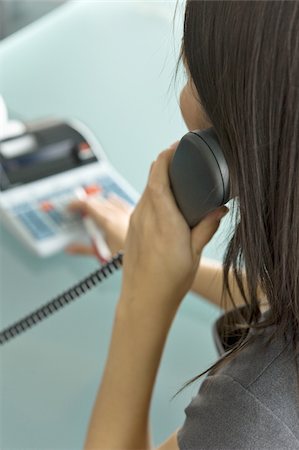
161	252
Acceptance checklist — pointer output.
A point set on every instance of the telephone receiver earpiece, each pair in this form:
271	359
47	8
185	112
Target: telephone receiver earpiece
199	175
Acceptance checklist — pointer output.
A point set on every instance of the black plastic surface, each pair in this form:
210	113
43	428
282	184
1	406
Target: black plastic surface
199	175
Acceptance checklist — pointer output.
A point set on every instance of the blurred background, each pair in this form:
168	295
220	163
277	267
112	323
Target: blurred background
16	14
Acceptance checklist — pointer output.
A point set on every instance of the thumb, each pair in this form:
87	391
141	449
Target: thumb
205	230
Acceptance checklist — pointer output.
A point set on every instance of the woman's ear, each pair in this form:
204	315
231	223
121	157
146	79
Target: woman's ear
194	116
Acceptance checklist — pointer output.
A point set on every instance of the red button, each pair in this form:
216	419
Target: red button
92	189
46	206
84	147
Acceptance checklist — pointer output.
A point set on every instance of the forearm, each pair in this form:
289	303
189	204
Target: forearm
120	418
208	284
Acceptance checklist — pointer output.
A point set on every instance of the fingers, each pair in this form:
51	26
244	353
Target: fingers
95	208
119	202
174	145
159	169
80	205
204	231
80	249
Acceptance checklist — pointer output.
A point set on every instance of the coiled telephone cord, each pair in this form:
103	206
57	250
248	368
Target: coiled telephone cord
61	300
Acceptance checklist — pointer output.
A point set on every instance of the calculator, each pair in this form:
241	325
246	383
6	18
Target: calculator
41	169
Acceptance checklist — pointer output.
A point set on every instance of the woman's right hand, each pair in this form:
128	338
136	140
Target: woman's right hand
112	215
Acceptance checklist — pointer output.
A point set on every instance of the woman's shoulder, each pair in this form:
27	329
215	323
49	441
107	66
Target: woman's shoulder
250	402
268	356
226	415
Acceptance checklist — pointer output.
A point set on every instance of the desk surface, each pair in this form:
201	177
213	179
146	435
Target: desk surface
109	65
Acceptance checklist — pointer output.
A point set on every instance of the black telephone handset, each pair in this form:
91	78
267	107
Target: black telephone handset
199	179
199	175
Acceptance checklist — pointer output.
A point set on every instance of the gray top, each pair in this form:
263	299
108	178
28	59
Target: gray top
249	404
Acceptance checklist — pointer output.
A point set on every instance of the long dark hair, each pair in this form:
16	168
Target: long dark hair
243	58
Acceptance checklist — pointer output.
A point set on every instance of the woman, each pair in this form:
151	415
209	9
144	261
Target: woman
242	61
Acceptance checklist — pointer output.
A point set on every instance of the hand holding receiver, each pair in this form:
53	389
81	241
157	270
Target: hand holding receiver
161	252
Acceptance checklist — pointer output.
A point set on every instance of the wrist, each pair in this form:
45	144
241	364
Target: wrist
143	309
140	294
